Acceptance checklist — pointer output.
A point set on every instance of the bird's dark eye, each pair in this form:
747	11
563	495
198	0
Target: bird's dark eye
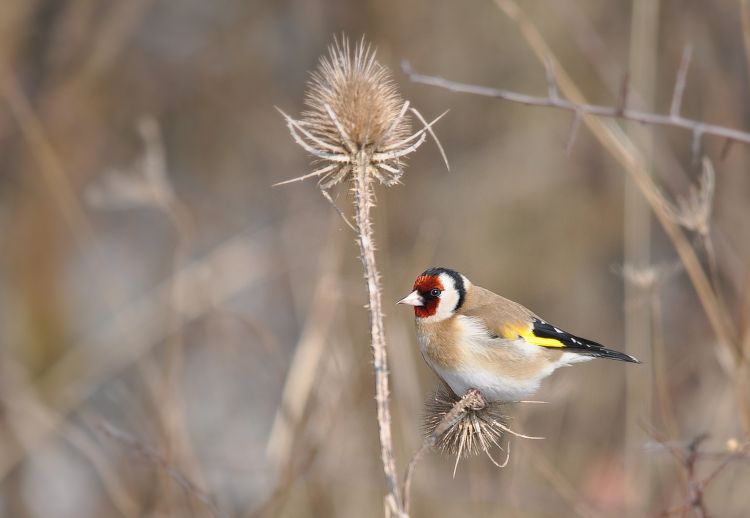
434	292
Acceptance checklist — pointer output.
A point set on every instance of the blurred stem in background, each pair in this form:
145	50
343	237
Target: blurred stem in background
643	62
304	370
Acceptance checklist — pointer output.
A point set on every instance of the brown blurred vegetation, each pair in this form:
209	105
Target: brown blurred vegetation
180	339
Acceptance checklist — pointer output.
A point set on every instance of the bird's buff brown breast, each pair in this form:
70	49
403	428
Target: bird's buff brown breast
439	342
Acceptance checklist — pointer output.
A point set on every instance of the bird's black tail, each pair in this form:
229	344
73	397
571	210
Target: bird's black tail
594	349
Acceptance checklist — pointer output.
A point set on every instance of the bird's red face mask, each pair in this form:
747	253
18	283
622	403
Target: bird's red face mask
426	296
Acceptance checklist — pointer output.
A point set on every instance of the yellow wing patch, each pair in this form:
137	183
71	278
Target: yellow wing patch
522	331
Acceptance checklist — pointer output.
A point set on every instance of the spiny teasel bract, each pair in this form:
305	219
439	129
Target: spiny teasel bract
355	116
464	426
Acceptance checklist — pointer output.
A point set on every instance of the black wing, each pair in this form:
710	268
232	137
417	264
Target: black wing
542	329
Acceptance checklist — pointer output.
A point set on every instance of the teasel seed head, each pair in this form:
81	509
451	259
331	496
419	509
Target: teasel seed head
362	94
464	426
355	117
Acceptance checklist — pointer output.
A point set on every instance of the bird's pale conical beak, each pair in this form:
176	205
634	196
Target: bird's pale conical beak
412	299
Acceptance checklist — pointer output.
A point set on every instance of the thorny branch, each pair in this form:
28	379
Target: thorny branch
363	204
620	111
688	456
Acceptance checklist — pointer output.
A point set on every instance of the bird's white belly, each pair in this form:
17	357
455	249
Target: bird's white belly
493	386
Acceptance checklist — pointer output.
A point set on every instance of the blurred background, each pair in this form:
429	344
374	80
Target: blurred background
178	338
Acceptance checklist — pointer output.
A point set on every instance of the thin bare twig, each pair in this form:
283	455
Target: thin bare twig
613	112
695	488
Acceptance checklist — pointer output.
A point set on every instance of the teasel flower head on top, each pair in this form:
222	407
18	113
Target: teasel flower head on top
355	117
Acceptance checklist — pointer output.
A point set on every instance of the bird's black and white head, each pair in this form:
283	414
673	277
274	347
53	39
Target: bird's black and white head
438	294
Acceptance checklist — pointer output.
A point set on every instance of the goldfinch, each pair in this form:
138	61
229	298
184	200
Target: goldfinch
474	338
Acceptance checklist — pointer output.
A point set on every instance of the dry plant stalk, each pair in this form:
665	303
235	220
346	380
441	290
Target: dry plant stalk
145	183
648	282
357	128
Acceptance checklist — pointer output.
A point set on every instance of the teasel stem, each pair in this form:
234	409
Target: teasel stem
363	194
